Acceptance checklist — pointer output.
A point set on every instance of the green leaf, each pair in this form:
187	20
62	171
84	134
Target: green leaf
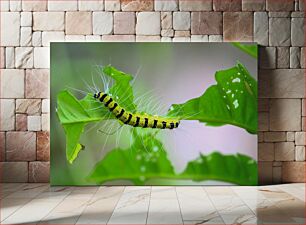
122	88
251	49
145	159
238	169
233	100
75	114
73	118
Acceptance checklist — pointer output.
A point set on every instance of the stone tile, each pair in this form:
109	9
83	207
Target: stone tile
124	22
199	38
41	57
43	146
12	83
206	23
142	26
24	57
21	122
15	6
167	33
264	173
275	136
284	151
294	172
10	57
298	14
37	84
5	5
118	38
45	122
263	121
166	39
93	38
261	29
279	32
166	20
34	5
253	5
112	5
215	38
26	19
299	153
181	20
137	5
263	105
75	38
91	5
78	23
303	57
281	83
7	114
277	174
182	33
267	57
228	5
283	57
48	21
181	39
2	57
10	28
297	32
102	22
169	5
37	39
14	172
290	136
265	151
28	106
25	36
304	107
280	5
301	5
56	5
303	124
39	172
2	146
279	14
52	36
34	123
300	138
20	146
238	26
285	115
197	5
145	38
46	106
295	57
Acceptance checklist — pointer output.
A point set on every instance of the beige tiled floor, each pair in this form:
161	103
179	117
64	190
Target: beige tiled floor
41	204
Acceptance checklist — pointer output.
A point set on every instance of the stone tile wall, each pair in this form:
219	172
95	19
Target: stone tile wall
28	26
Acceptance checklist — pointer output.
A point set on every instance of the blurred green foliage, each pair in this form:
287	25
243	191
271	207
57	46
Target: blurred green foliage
147	159
233	100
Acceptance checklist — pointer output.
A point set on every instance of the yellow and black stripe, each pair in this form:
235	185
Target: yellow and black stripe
134	119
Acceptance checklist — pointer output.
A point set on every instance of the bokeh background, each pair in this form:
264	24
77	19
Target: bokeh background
165	74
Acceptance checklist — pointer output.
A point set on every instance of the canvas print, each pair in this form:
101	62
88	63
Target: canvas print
153	114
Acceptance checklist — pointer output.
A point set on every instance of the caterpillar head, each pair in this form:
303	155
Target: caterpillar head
96	95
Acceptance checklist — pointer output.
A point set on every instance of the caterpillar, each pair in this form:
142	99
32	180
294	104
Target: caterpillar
135	119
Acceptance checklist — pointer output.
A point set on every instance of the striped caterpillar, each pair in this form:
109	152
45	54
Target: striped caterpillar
135	119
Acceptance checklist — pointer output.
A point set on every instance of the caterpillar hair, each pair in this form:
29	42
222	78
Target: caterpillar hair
135	119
